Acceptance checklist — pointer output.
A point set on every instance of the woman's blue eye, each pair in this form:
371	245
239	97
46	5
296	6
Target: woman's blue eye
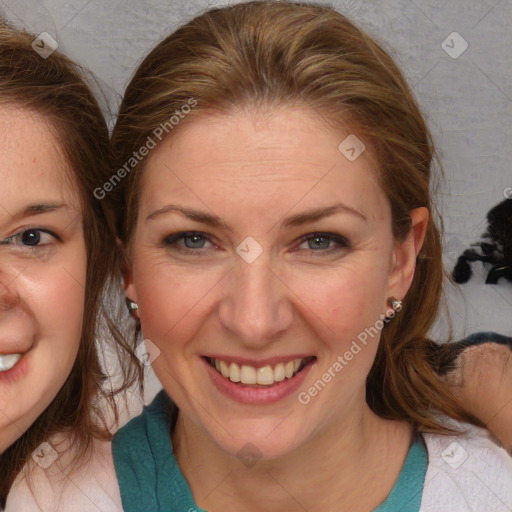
196	241
191	240
321	242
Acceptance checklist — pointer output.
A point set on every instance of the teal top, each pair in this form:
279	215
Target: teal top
150	479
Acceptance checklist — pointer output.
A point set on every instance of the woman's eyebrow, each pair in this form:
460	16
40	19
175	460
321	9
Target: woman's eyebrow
39	209
319	213
190	213
292	221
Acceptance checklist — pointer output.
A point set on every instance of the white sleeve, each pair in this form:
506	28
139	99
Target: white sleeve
466	473
92	487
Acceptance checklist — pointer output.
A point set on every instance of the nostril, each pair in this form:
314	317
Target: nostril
8	300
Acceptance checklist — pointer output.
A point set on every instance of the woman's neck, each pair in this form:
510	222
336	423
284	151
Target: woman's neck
352	466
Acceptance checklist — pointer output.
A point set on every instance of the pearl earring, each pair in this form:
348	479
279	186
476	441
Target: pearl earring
395	303
132	306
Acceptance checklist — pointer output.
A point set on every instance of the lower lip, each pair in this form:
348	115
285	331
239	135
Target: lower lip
16	372
257	395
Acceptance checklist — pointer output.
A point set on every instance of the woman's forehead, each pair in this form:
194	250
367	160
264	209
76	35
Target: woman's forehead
33	163
292	150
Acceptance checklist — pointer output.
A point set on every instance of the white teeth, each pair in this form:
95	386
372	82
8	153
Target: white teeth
248	375
7	362
265	376
279	372
234	372
224	369
288	369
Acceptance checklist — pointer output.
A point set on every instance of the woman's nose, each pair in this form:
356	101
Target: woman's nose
256	304
9	297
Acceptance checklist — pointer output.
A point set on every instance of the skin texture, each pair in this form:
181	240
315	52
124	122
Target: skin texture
38	283
253	169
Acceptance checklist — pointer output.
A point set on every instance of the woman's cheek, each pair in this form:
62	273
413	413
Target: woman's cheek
340	298
173	300
68	295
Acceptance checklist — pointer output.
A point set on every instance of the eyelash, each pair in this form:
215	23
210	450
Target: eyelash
171	240
19	234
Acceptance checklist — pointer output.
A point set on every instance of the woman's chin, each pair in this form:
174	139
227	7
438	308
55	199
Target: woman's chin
251	443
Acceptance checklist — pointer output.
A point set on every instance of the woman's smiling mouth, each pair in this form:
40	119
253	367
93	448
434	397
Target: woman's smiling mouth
262	384
266	375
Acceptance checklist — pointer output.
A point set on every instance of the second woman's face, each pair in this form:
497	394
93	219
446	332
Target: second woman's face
42	271
263	258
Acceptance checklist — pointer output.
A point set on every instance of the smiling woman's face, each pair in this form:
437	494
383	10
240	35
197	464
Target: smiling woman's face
42	271
289	256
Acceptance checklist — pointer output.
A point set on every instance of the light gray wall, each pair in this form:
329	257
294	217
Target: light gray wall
467	100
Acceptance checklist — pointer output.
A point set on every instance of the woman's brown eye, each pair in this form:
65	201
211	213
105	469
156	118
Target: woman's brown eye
31	237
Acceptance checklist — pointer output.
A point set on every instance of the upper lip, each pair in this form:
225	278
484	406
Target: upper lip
8	347
11	352
18	333
260	362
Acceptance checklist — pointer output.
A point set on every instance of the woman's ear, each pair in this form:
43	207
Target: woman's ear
127	272
128	286
406	252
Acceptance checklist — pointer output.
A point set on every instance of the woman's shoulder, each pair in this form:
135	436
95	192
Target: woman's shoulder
147	472
150	426
466	472
93	486
143	445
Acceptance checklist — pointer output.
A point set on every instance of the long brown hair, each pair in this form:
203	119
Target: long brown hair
284	53
56	89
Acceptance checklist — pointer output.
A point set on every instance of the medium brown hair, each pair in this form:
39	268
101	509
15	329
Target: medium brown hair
273	54
55	89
